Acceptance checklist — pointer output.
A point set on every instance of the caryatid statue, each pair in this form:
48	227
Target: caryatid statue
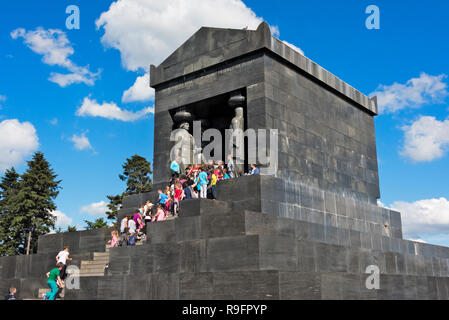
237	139
184	147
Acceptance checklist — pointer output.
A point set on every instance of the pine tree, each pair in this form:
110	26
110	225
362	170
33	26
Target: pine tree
136	173
8	187
32	205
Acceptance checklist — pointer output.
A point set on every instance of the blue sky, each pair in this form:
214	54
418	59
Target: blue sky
80	96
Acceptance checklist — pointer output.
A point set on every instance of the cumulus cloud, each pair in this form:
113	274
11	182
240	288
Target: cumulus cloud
292	46
423	217
140	91
146	32
62	220
55	49
415	93
95	209
17	141
426	139
81	142
110	111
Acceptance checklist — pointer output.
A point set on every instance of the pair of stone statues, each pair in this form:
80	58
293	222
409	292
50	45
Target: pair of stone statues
188	151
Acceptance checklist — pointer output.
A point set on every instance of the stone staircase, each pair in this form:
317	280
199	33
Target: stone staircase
97	266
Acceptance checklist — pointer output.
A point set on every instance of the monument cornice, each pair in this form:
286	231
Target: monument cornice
213	48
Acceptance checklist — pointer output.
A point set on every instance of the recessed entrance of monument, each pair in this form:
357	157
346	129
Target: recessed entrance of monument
220	112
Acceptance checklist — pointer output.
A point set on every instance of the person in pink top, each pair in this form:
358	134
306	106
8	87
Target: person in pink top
139	223
160	214
114	242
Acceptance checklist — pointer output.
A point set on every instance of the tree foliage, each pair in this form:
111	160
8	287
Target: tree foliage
136	174
27	205
8	188
113	206
97	224
71	228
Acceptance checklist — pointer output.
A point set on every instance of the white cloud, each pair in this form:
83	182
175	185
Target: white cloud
414	93
54	121
17	141
2	99
146	32
110	111
140	91
55	48
426	139
81	142
292	46
95	209
67	79
423	217
62	220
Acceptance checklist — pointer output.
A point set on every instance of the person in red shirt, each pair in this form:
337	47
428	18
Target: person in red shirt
179	195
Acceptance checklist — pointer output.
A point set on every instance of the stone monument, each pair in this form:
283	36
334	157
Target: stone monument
310	230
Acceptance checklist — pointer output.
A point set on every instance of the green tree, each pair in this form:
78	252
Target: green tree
113	205
71	229
136	174
8	187
97	224
30	208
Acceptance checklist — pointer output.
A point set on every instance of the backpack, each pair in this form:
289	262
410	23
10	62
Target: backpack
132	240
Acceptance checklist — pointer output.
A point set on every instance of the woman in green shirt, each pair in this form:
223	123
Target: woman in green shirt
53	281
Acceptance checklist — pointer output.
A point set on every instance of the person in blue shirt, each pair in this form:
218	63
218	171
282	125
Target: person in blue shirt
175	169
162	198
254	170
202	181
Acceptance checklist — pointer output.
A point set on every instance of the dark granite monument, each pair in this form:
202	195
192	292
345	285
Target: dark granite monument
309	230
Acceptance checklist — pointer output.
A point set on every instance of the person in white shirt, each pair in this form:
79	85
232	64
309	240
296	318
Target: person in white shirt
123	231
131	231
63	257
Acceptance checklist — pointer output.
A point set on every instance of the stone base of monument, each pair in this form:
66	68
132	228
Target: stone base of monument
251	244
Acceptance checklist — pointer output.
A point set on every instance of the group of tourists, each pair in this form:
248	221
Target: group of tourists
198	181
133	227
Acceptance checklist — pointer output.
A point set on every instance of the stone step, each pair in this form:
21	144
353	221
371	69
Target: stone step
92	274
222	224
93	267
101	255
277	243
93	263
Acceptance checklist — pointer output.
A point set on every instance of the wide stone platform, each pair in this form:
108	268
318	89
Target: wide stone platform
219	249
